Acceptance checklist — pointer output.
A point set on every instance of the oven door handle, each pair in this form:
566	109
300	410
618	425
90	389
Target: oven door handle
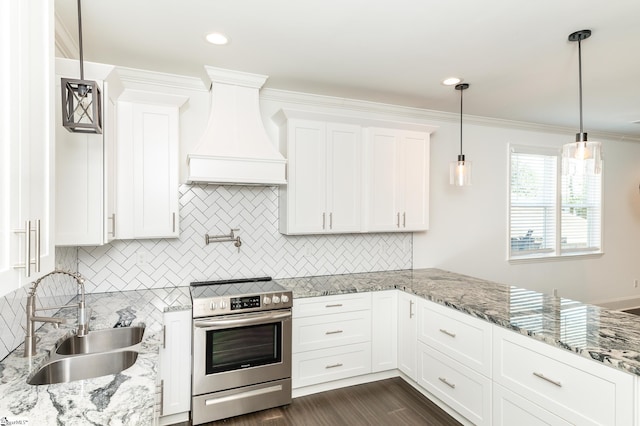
249	319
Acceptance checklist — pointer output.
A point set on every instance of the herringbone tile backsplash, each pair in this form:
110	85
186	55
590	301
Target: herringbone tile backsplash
143	264
149	264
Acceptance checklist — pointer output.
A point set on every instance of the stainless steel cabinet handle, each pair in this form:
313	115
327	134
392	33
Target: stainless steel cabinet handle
448	333
446	382
37	250
174	222
335	305
398	220
162	397
334	365
164	337
543	377
410	308
113	225
333	332
330	220
27	248
323	220
404	219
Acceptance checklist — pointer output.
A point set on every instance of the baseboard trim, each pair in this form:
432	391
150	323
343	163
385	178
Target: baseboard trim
343	383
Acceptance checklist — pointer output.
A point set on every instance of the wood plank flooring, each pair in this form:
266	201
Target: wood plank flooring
387	402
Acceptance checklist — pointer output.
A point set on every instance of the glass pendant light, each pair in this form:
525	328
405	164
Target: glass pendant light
81	102
460	171
581	156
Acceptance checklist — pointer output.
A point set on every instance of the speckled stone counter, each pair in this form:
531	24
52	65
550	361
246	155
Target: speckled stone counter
610	337
126	398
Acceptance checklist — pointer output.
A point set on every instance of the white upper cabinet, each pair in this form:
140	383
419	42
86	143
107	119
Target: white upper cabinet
396	180
148	146
323	192
27	142
85	165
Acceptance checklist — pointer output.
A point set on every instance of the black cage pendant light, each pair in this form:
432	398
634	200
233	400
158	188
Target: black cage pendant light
581	156
81	101
460	170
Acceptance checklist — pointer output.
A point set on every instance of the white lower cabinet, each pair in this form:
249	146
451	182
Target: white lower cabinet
464	390
511	409
384	330
331	338
577	390
175	367
407	334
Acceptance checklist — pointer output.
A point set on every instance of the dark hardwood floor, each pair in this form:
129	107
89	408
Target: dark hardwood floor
386	402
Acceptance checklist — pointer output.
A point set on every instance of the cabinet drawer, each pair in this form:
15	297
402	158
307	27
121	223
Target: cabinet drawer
578	390
325	305
460	336
313	367
464	390
511	409
326	331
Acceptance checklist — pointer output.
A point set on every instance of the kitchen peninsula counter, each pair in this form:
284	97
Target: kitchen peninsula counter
605	336
126	398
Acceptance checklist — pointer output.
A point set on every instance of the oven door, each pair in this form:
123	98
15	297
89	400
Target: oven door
231	351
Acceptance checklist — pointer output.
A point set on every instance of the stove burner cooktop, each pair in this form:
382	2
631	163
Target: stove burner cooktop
238	296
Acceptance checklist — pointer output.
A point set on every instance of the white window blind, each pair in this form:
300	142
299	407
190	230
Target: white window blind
551	214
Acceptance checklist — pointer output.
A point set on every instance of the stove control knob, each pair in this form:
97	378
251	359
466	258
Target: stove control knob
276	299
212	306
285	298
223	304
266	300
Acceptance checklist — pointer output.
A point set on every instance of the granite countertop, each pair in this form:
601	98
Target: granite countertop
603	335
126	398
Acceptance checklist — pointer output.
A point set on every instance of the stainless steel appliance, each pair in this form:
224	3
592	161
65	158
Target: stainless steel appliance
241	347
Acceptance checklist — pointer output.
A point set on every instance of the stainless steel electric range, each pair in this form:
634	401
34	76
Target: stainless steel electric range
241	347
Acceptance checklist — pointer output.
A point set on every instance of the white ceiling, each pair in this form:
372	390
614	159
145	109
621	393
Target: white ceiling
514	53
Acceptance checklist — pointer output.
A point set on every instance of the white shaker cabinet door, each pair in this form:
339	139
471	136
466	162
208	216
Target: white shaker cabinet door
408	334
148	144
396	180
27	142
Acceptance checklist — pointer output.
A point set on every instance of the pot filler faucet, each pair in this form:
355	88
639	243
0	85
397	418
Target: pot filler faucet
83	326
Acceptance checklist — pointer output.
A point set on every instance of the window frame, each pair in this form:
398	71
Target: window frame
557	252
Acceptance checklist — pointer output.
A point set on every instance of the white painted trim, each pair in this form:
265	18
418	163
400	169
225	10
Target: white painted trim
354	106
343	383
65	43
155	98
174	419
154	78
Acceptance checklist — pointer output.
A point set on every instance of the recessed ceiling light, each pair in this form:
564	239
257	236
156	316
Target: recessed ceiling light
217	39
451	81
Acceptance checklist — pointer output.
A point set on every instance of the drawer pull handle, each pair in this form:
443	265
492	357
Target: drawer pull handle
448	333
333	332
334	365
446	382
543	377
335	305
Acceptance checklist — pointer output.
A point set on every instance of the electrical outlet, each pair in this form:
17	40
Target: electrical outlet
141	258
555	292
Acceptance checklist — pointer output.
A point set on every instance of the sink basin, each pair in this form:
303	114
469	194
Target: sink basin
83	367
101	341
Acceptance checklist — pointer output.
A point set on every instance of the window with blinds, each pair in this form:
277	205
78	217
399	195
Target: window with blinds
551	214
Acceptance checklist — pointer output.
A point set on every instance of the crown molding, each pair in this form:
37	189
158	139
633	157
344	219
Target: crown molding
154	78
64	42
399	112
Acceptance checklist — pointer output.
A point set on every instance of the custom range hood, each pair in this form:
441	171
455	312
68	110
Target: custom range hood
235	148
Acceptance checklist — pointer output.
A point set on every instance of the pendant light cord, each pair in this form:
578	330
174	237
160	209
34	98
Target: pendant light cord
80	41
579	79
461	121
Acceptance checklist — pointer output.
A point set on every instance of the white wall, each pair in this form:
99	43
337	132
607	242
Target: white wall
468	232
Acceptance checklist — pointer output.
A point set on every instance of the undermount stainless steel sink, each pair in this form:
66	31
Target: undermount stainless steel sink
98	353
86	366
101	341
